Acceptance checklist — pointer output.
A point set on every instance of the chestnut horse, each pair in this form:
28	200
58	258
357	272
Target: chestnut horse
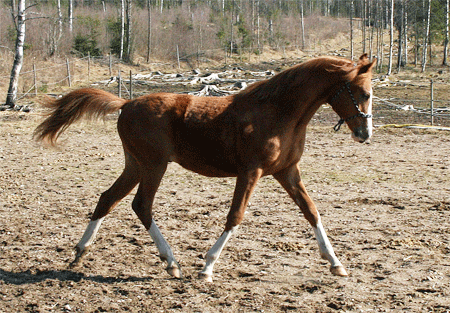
259	131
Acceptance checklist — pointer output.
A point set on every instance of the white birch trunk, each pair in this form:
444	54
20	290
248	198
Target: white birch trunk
128	55
447	9
122	27
303	24
149	29
351	29
70	13
18	58
405	34
391	38
427	36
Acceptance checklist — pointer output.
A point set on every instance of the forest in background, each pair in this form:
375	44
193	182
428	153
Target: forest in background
153	29
397	32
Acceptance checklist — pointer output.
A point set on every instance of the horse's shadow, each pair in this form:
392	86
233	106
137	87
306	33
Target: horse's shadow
33	277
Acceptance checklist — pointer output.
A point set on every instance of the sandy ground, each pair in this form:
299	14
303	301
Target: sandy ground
385	206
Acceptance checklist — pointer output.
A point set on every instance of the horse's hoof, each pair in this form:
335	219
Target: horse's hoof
174	271
338	270
205	277
78	258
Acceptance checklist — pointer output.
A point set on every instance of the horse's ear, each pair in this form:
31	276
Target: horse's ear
367	68
363	59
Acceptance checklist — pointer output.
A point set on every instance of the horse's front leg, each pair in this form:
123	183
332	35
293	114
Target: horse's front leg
291	181
245	184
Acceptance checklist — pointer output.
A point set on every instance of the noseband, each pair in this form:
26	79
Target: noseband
359	114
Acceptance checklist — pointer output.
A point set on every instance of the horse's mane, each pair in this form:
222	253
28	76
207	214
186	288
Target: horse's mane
297	76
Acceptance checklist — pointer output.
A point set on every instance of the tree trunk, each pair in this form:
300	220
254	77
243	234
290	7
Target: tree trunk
128	38
303	24
405	33
57	34
149	28
391	38
18	58
427	36
447	9
351	29
122	27
257	26
371	28
70	13
364	19
400	37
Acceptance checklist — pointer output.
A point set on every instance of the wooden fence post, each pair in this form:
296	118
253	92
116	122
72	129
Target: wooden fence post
198	57
110	65
226	61
119	84
432	102
68	73
178	57
131	86
89	67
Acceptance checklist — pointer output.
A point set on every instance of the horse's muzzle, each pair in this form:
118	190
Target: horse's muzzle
362	134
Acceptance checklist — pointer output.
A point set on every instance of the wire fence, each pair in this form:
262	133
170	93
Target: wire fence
35	81
54	78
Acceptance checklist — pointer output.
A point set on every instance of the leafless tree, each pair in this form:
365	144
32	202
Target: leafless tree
351	28
303	24
122	27
149	29
447	9
19	20
70	13
426	39
391	37
128	57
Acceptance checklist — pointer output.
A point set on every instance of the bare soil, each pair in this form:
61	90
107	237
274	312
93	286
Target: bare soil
385	206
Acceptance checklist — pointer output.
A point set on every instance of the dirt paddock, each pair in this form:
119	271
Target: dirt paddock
385	206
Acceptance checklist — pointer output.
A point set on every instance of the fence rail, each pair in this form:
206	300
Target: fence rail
38	81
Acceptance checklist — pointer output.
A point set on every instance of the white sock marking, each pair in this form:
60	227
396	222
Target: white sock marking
326	250
165	252
89	234
213	254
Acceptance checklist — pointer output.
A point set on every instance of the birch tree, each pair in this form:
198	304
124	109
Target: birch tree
405	32
149	30
128	57
391	37
57	33
351	29
426	39
70	13
19	21
447	9
302	24
400	37
122	27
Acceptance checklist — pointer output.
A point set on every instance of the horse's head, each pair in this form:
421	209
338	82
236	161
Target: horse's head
352	101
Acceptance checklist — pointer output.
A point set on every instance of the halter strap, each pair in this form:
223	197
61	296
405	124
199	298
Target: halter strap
359	114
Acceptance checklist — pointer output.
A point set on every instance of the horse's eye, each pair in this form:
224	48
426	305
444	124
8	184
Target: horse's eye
365	96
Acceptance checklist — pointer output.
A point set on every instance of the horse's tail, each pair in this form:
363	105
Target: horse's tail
85	102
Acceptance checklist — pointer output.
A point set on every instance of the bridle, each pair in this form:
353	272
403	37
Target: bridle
359	114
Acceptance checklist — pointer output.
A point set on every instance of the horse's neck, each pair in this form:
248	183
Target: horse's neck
308	99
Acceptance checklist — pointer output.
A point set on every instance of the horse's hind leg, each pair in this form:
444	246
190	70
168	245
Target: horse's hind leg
291	181
142	206
108	200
